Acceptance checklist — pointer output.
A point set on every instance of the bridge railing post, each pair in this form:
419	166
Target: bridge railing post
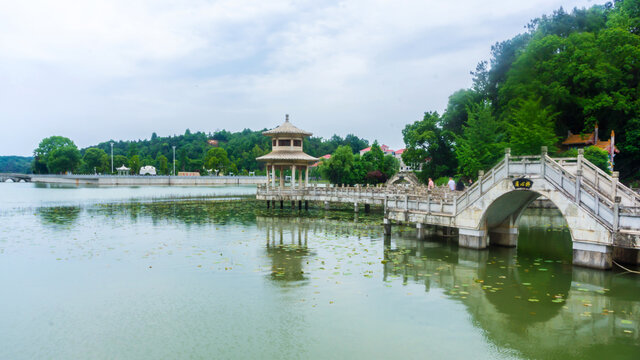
614	185
543	160
455	205
507	155
616	212
578	184
580	158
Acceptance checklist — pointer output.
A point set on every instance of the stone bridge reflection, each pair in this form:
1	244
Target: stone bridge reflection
540	306
545	306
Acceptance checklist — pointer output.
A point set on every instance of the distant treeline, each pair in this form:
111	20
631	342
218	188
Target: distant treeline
15	164
221	151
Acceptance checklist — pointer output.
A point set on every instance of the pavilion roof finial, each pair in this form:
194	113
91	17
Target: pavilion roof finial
286	117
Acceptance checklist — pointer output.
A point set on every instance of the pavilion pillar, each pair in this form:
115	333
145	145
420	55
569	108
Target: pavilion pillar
281	177
300	179
273	175
268	178
293	176
306	176
272	169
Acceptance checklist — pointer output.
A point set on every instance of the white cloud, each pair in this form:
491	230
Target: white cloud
93	70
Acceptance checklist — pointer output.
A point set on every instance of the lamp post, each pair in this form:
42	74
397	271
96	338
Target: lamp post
112	158
174	160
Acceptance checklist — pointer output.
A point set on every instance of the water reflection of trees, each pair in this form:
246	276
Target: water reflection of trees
59	215
511	297
188	212
241	211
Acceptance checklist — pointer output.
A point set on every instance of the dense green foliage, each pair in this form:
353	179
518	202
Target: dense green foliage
95	160
531	128
568	71
480	145
429	146
220	152
597	156
15	164
56	154
373	167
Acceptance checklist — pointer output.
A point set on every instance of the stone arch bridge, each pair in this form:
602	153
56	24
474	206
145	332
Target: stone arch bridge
602	214
15	177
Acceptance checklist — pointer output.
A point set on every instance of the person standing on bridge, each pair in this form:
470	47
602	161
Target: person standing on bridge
460	185
452	184
430	185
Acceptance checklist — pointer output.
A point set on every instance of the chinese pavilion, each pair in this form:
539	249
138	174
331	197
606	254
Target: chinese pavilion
286	154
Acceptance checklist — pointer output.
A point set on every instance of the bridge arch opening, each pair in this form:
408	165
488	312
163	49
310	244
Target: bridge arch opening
404	178
541	232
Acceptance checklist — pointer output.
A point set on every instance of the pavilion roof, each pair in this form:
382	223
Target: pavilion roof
287	155
574	139
286	129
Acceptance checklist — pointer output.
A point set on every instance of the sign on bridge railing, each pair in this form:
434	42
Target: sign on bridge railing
522	183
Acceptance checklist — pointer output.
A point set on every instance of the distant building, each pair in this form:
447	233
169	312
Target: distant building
188	173
323	157
577	141
395	153
123	170
213	143
403	167
385	149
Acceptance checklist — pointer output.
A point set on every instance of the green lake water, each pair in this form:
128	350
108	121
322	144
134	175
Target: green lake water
169	273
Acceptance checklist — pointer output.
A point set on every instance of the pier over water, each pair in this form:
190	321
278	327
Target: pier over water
603	215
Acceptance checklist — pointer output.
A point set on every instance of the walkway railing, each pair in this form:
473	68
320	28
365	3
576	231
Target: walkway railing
600	194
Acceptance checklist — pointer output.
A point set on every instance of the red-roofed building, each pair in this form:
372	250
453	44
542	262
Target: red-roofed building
385	149
395	153
323	157
576	141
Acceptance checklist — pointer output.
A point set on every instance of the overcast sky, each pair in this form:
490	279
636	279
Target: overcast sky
122	69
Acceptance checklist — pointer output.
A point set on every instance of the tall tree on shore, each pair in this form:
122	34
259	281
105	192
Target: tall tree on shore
338	168
44	149
64	159
481	143
531	126
95	159
429	146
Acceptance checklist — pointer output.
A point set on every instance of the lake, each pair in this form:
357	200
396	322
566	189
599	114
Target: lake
193	272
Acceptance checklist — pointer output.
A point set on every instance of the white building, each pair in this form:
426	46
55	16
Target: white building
395	153
147	170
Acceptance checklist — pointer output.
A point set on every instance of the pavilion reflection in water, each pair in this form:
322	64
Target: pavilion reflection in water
286	246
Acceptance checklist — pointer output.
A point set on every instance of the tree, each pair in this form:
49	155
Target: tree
338	167
63	159
44	149
456	114
531	127
595	155
162	164
119	160
598	157
480	145
134	164
97	159
217	160
429	146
